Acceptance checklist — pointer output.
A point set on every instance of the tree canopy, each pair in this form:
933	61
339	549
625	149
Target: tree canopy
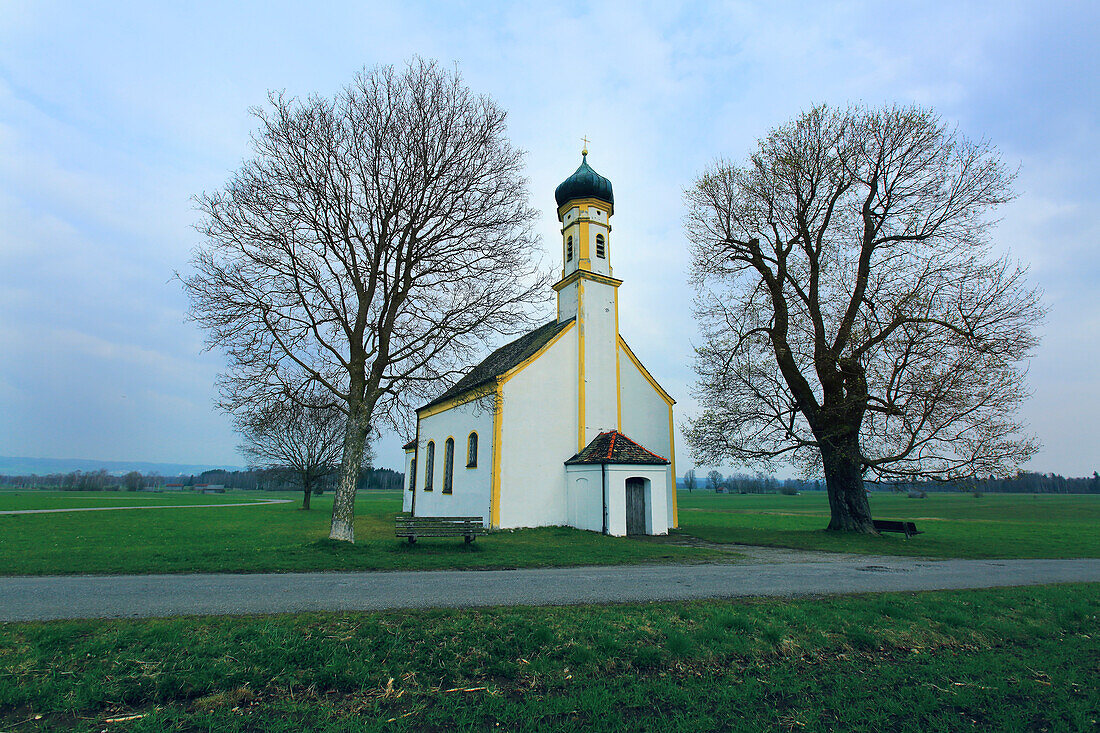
855	319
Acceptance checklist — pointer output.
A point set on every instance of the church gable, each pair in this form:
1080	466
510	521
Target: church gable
502	360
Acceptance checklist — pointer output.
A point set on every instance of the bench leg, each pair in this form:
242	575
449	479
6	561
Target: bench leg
469	538
412	540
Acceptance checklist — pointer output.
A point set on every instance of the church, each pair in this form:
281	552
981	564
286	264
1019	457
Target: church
563	426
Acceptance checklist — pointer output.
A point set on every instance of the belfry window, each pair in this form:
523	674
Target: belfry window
449	466
569	249
471	451
429	468
601	250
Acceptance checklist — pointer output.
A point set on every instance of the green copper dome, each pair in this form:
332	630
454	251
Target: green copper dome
584	183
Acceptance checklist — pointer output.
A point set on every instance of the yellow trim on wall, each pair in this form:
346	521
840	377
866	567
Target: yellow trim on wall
526	362
580	369
672	458
586	201
443	487
429	451
585	259
494	486
585	275
456	401
481	392
476	452
645	373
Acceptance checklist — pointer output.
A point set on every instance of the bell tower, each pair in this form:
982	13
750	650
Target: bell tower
589	293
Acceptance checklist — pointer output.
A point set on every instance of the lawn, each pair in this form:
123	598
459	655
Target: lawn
283	538
1006	659
954	525
279	538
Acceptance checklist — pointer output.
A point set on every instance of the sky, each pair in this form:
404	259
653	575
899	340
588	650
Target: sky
113	116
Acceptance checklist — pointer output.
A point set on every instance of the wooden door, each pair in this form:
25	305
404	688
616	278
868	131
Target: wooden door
635	506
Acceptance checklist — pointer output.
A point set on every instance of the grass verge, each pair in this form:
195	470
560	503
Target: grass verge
953	525
1004	659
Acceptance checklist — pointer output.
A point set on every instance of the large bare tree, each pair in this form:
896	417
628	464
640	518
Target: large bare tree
303	442
369	248
854	320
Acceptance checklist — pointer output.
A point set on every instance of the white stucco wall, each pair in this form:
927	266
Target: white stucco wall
657	507
645	418
584	497
598	323
470	497
538	434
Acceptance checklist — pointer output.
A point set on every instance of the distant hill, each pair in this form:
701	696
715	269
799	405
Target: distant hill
19	466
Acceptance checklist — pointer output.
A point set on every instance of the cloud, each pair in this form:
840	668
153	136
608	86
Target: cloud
111	118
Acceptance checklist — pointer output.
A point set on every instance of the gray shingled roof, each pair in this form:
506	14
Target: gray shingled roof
503	359
614	447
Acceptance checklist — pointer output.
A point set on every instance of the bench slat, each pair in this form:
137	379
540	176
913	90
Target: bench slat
414	528
896	525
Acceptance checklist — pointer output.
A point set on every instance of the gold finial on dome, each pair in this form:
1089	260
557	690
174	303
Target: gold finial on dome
584	150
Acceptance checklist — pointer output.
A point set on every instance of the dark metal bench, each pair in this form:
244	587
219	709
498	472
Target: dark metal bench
413	528
893	525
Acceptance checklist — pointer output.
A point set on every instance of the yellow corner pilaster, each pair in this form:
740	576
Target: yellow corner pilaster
585	259
494	491
580	370
672	458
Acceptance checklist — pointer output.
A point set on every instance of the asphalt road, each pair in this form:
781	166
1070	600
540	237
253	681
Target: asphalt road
43	598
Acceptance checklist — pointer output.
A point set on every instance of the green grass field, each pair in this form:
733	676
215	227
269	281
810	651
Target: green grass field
283	538
278	538
954	525
1015	659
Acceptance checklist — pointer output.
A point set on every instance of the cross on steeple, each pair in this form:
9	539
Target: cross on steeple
584	150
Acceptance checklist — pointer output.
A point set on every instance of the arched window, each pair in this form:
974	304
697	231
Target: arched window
412	475
600	249
429	468
448	465
471	451
569	248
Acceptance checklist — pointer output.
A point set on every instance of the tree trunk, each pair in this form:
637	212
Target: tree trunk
848	505
343	502
307	489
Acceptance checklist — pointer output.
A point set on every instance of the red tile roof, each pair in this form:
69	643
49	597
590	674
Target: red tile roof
614	447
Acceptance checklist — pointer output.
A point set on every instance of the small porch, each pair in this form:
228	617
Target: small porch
618	487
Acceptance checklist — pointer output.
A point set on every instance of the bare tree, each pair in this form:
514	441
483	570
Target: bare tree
133	481
689	480
714	480
304	442
853	318
370	248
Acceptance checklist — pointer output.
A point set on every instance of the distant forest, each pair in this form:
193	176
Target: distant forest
262	480
1025	482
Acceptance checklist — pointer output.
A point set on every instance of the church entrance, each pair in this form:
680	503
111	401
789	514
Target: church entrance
635	505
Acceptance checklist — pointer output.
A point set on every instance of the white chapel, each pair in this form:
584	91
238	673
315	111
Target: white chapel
563	426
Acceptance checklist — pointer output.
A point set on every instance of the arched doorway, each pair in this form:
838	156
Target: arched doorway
635	505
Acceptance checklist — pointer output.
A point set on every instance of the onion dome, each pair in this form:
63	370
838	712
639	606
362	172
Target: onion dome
583	184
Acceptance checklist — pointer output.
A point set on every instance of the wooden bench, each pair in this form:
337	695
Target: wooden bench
893	525
413	528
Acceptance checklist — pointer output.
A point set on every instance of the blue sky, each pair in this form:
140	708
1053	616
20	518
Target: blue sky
113	115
